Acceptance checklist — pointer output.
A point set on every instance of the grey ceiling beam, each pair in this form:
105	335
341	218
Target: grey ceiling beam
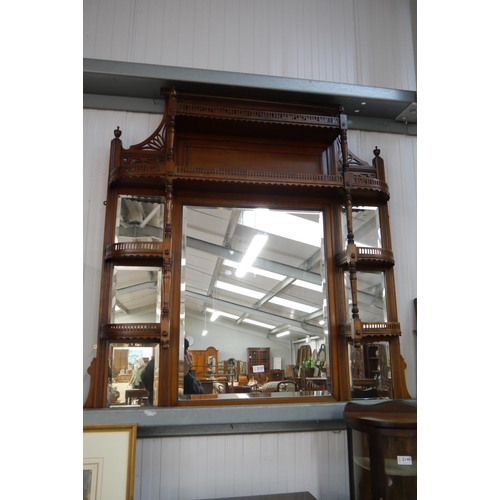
254	312
259	262
137	87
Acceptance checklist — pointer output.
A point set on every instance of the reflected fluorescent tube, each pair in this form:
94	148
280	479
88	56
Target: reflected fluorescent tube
215	315
204	332
254	249
282	334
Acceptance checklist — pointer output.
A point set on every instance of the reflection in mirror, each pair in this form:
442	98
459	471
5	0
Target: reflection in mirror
136	294
366	226
253	281
139	218
370	370
371	296
132	374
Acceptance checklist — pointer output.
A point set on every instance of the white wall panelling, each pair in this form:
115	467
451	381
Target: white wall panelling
238	465
363	42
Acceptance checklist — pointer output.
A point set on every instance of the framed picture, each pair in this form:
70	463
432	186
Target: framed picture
109	461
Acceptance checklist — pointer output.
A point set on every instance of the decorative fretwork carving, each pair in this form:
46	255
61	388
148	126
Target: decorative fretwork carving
374	328
128	331
156	142
248	114
256	175
367	255
134	249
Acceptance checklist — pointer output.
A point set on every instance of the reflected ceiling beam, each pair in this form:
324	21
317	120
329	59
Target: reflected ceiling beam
228	238
150	216
148	285
307	264
121	306
268	265
253	312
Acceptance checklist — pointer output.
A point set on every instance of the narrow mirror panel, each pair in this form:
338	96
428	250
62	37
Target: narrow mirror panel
371	296
253	304
366	226
136	294
132	374
370	369
139	218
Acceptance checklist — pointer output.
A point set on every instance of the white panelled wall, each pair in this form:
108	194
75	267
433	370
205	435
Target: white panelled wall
363	42
241	465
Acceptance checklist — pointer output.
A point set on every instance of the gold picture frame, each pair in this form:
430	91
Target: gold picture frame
109	461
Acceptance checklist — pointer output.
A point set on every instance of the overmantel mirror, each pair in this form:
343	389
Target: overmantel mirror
255	277
246	232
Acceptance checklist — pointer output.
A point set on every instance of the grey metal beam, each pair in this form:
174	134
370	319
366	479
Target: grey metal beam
256	312
259	262
137	87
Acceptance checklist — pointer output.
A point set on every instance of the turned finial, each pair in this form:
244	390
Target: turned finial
376	151
118	132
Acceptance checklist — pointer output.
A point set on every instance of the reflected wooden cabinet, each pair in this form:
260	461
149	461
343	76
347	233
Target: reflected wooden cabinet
259	356
205	362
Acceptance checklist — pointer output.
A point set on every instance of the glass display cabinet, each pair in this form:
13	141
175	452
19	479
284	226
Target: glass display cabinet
382	442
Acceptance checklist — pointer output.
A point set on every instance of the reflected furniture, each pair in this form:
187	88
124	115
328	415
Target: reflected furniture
382	444
259	356
135	394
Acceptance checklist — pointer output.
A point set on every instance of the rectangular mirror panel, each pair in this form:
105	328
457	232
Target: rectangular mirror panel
366	226
132	374
136	294
253	302
139	218
370	369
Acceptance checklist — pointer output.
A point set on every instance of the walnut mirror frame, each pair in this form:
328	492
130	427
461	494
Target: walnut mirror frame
234	152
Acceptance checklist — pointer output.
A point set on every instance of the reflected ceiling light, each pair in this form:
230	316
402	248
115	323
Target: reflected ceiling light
309	286
220	313
258	242
293	305
282	334
258	323
204	332
255	270
286	225
239	290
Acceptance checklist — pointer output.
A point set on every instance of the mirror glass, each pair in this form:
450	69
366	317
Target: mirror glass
139	218
370	369
366	226
371	296
132	374
253	288
136	294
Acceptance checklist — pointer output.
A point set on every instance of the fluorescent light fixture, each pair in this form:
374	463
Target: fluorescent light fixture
309	286
215	315
239	290
258	242
285	224
255	270
258	323
293	305
221	313
282	334
204	332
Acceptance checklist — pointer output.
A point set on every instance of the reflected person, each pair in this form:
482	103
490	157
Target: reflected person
191	384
